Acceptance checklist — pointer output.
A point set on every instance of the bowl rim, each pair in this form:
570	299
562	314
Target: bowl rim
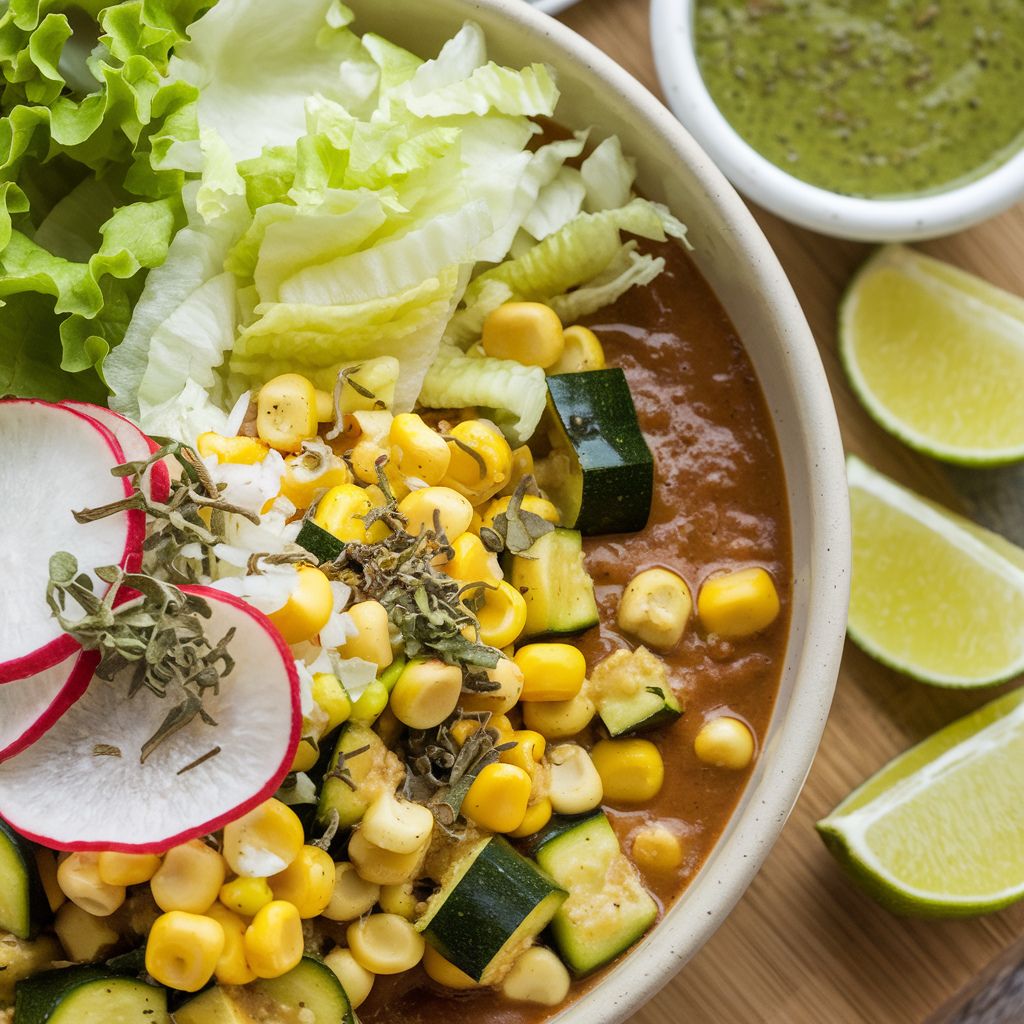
832	213
552	6
816	643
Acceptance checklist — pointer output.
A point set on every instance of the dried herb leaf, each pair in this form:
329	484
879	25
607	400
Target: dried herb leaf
515	528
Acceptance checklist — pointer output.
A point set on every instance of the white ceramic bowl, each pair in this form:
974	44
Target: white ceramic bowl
734	256
553	6
866	220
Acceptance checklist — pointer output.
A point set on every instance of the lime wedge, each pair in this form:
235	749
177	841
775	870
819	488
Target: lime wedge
937	357
932	595
938	830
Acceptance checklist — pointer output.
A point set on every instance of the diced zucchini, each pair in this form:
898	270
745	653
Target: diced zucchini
363	770
23	904
88	995
491	905
558	590
608	908
21	958
323	546
606	482
309	988
632	693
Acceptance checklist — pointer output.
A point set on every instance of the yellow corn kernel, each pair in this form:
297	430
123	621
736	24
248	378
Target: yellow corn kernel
183	949
232	967
528	751
522	465
189	878
307	883
426	693
445	973
502	615
472	562
738	603
85	938
655	608
363	457
453	509
464	728
324	406
333	699
481	475
503	727
385	943
510	685
264	841
341	512
724	742
274	942
531	503
307	476
498	798
387	727
398	899
380	866
239	451
583	352
373	641
422	452
528	332
574	785
46	865
655	848
537	816
631	770
551	672
353	896
371	703
308	607
306	755
246	896
538	977
559	720
398	826
127	868
355	979
79	878
286	412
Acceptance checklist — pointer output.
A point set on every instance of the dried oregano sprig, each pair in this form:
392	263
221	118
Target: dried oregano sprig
515	529
177	523
159	636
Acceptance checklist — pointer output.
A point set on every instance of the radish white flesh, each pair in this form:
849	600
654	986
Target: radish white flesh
69	791
53	460
135	444
30	706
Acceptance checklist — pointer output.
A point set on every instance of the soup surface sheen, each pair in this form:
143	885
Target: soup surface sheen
720	504
869	97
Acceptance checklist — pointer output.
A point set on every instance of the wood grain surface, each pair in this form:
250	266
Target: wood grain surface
805	946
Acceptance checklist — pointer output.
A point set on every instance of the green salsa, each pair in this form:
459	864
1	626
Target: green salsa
880	98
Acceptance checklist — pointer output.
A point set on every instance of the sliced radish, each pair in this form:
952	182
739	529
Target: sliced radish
53	460
135	444
70	791
30	706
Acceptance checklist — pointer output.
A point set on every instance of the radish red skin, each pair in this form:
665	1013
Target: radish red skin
64	646
82	666
265	791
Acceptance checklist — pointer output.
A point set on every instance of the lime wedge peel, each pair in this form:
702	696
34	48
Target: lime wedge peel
936	355
937	831
933	595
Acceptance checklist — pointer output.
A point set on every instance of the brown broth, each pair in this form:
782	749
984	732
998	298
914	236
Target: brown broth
720	503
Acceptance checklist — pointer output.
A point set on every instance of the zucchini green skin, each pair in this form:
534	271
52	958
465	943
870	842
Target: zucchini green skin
651	708
613	490
23	904
311	985
88	995
554	582
594	925
335	795
323	546
496	901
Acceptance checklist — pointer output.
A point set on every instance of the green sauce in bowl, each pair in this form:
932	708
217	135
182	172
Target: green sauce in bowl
875	98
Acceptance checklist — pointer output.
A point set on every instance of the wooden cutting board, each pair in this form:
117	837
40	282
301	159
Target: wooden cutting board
804	946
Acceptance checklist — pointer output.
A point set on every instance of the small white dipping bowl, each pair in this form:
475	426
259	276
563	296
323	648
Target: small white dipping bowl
864	220
553	6
735	257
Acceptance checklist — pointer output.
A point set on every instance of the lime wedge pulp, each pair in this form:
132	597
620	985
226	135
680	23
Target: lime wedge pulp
937	832
937	357
932	595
